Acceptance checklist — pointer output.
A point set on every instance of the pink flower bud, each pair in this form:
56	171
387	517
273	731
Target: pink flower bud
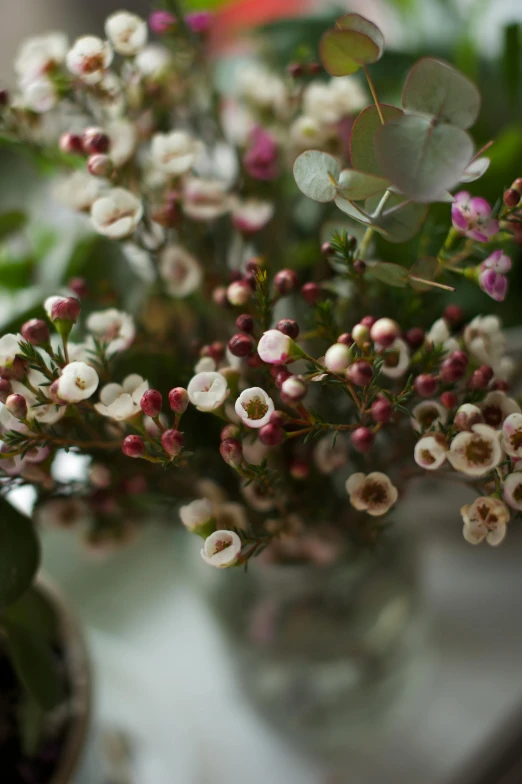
337	358
178	400
16	371
245	323
299	469
17	406
275	348
448	399
71	143
478	380
384	332
220	296
452	370
345	338
5	389
381	410
425	385
360	373
454	315
79	287
294	388
368	321
199	21
230	431
415	337
241	345
311	293
285	281
66	309
100	165
467	416
360	334
35	331
288	327
151	403
271	435
231	451
161	22
239	292
362	439
95	140
260	159
172	442
133	446
511	198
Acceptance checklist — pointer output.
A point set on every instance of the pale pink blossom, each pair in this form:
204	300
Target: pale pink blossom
254	407
486	518
431	451
122	401
512	435
207	391
373	493
476	453
221	549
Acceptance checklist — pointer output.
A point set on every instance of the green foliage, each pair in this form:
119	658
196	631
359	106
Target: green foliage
362	137
355	185
386	272
353	42
35	664
512	59
316	174
19	553
401	220
428	269
11	222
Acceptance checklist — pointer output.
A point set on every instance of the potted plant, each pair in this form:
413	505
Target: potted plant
256	329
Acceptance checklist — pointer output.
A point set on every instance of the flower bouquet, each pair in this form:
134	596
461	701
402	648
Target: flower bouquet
263	370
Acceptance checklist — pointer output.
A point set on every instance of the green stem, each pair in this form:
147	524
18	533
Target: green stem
368	234
374	94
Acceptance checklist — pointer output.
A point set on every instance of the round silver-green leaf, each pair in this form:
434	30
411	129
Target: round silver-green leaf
316	174
362	137
401	220
356	185
435	89
361	25
343	52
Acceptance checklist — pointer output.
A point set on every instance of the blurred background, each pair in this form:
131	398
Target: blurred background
163	674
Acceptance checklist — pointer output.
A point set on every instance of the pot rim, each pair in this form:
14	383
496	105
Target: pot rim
80	674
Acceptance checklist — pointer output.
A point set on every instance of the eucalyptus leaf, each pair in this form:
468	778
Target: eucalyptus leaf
343	52
362	137
400	220
355	185
475	169
19	553
316	174
428	269
435	89
35	665
351	210
392	274
422	159
362	25
11	222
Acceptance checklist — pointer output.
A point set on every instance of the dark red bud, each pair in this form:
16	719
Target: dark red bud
345	338
478	380
285	281
231	451
288	327
359	267
172	442
415	337
80	287
245	323
94	141
17	406
381	410
299	469
454	315
501	385
368	321
35	331
271	435
311	293
315	67
295	70
327	249
362	439
511	198
360	373
151	403
487	372
229	431
278	418
425	385
66	309
448	399
178	400
71	143
281	378
5	389
133	446
241	345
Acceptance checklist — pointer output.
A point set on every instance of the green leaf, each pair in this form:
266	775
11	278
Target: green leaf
11	222
351	210
329	228
475	170
19	553
428	269
401	220
435	89
35	665
392	274
16	273
362	137
423	160
355	185
360	24
342	52
316	174
512	59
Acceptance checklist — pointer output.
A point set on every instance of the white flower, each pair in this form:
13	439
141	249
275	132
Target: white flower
122	401
476	453
254	407
117	214
9	348
180	271
79	190
77	382
197	514
174	153
430	451
221	549
496	406
88	58
113	327
485	340
252	214
396	359
438	333
205	365
277	348
126	32
40	54
39	95
207	391
373	493
237	122
329	103
513	490
47	414
428	414
123	136
262	88
486	518
329	456
205	199
512	435
337	357
153	60
306	132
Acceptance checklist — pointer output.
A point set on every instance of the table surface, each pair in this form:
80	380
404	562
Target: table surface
163	675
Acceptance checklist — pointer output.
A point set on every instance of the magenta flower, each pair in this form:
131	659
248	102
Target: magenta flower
492	278
199	21
161	22
260	160
471	215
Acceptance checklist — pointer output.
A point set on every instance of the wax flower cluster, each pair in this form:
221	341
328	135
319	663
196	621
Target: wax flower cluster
310	379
